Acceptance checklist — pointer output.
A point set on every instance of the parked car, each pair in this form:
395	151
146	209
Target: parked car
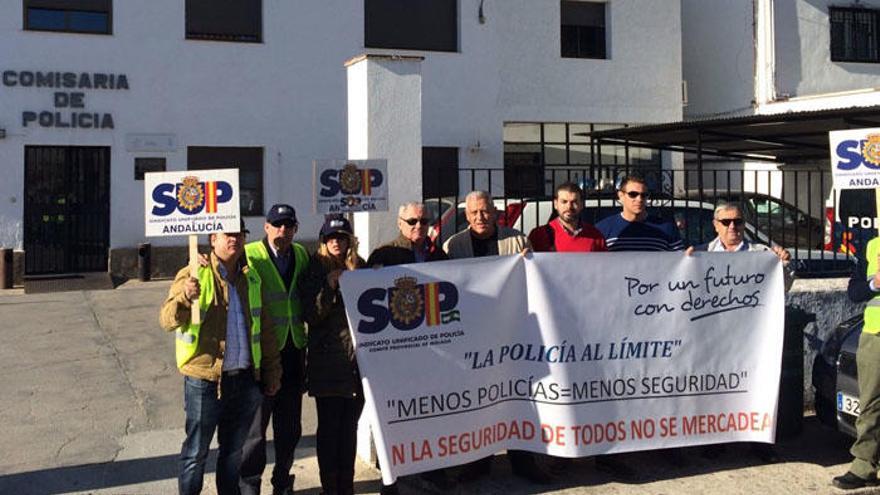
835	377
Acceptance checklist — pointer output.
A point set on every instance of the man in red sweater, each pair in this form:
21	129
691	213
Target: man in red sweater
567	233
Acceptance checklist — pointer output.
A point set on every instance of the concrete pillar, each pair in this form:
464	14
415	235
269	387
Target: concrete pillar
385	121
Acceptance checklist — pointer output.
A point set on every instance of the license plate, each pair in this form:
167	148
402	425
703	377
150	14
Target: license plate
848	404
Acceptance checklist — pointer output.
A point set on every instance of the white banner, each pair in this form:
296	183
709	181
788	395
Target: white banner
569	354
191	202
343	186
855	158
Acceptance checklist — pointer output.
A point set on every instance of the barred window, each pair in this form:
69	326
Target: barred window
854	35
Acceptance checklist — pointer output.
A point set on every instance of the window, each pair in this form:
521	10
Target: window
224	20
72	16
248	161
145	165
430	25
439	171
583	29
854	35
539	156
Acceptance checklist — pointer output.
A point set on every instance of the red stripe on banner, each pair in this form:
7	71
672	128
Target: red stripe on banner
432	304
366	181
211	197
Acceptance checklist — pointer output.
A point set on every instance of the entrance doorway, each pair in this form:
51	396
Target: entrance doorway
66	209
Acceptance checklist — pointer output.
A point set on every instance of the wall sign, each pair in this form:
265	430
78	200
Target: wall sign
343	186
68	99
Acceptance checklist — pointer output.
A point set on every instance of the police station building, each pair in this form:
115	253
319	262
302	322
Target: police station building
94	93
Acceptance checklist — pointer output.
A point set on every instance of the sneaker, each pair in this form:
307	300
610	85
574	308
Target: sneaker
850	481
389	490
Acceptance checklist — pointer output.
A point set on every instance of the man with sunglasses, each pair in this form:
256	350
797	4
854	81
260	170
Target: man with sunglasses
633	230
483	237
279	262
413	244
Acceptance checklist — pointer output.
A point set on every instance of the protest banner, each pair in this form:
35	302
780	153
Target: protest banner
569	354
189	203
348	186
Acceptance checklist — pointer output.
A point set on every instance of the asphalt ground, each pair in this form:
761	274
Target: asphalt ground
93	403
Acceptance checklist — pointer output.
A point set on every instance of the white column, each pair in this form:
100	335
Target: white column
385	121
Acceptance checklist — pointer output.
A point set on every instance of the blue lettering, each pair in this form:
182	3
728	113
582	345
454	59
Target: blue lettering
163	194
331	185
367	307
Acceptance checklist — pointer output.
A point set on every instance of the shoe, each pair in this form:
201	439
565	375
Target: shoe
850	481
475	470
389	489
765	452
438	478
283	491
524	465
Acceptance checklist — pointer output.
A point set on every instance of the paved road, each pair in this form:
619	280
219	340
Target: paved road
92	403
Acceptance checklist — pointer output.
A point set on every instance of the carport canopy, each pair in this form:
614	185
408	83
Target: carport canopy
789	137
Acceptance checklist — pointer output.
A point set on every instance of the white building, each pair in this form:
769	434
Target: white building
775	56
93	92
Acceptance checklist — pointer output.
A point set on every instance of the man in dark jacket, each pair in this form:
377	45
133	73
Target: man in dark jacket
411	246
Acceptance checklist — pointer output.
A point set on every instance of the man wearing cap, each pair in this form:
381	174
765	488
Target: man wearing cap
228	346
279	262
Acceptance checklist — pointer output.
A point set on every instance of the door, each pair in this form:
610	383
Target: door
66	209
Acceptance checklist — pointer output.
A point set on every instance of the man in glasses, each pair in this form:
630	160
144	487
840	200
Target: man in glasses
413	244
483	237
633	230
279	262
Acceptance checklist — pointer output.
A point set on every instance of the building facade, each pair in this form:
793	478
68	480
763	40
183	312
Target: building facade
93	93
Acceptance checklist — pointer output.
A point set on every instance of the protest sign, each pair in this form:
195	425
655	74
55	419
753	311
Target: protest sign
569	354
189	203
347	186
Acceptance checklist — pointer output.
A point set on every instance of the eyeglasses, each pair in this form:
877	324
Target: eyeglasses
636	194
413	221
284	223
727	221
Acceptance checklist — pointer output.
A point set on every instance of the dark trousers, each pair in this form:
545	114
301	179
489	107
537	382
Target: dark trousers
231	415
285	410
337	442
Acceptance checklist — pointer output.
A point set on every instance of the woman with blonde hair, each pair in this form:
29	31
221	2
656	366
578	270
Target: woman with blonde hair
333	377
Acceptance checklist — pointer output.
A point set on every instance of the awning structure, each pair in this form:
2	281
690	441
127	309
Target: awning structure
786	137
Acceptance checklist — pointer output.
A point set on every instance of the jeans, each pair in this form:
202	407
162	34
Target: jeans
230	415
285	411
337	442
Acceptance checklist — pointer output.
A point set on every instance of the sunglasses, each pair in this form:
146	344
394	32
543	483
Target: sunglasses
736	221
413	221
635	194
284	223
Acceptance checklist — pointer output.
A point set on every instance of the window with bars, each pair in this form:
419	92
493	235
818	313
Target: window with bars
854	34
77	16
248	161
225	20
583	29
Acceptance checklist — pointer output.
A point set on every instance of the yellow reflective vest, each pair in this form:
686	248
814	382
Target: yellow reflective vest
187	341
872	309
283	305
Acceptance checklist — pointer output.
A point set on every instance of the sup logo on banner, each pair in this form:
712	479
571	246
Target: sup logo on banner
851	153
190	197
408	305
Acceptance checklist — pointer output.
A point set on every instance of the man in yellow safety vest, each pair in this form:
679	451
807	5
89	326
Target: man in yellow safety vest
279	261
227	347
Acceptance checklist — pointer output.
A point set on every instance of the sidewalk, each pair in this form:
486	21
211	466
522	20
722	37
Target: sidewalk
93	403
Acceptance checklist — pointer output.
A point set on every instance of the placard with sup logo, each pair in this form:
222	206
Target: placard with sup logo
192	202
346	186
855	158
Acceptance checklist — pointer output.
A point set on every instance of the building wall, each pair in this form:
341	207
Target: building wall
288	95
803	51
718	57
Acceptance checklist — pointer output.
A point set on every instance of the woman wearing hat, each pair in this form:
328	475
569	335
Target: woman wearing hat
333	377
